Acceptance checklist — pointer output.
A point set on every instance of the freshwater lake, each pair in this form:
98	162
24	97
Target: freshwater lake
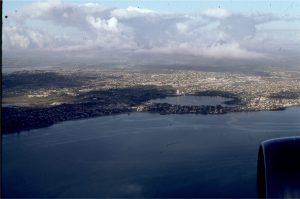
143	155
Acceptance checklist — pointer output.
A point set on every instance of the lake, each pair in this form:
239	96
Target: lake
143	155
189	100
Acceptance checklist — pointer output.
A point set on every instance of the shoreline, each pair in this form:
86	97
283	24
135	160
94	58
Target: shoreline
40	99
154	108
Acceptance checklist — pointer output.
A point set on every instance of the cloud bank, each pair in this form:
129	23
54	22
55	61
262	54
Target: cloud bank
94	30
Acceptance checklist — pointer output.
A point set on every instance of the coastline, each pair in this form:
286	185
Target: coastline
40	99
19	119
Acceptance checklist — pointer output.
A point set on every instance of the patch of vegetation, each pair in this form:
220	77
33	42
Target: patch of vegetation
131	95
286	95
36	80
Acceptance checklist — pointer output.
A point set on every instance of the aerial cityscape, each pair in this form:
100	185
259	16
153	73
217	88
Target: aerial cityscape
39	98
150	99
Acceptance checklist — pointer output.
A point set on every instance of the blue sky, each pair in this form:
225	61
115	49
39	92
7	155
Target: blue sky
283	7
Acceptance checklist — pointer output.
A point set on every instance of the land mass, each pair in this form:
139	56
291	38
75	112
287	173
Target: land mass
36	99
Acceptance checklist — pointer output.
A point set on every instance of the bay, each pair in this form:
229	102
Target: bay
143	155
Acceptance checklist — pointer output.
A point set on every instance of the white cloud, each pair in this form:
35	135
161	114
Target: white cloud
108	25
14	38
216	51
39	9
213	34
232	50
36	38
19	40
217	13
132	12
182	27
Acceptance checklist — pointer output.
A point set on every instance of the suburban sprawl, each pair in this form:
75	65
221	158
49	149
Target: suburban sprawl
34	99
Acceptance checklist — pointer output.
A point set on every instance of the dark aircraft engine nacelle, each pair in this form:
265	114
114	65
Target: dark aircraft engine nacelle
278	168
